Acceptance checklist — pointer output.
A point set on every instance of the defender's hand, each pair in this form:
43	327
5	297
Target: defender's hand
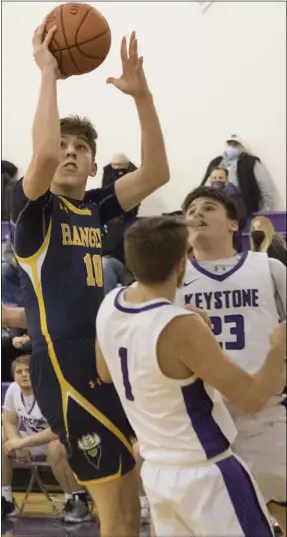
132	81
42	55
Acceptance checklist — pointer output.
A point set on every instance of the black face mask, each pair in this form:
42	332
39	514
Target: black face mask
119	172
258	236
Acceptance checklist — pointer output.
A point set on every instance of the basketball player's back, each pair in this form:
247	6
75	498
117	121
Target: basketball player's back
172	417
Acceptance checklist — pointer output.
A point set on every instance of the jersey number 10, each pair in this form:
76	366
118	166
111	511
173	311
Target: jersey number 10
94	270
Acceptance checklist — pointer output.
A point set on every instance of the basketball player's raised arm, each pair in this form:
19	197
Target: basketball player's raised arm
46	127
153	172
102	367
190	339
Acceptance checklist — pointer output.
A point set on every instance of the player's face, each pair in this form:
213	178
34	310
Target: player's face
256	226
76	162
22	376
208	221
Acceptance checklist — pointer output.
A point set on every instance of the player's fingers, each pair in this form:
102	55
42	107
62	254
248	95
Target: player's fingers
140	63
112	80
38	35
124	53
49	36
133	48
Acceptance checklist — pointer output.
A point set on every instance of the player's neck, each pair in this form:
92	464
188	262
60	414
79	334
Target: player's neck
75	193
26	392
212	252
142	293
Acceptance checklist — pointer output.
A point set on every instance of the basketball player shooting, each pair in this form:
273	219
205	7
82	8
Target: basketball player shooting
245	296
56	233
167	367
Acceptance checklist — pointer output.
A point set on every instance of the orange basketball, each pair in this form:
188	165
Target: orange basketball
82	40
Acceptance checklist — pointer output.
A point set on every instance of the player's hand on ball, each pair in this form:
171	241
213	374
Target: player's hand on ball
42	55
202	313
133	81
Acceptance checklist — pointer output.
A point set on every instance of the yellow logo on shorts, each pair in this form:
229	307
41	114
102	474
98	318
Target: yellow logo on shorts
90	444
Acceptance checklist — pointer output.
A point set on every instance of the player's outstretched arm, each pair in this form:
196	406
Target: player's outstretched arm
46	127
13	317
102	367
153	172
191	341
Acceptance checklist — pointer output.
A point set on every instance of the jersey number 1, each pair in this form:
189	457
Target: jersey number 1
94	270
123	354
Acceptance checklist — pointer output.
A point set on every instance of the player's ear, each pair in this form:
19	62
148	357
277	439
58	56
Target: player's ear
233	226
94	169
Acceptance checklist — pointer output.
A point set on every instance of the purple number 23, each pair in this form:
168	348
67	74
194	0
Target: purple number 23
123	354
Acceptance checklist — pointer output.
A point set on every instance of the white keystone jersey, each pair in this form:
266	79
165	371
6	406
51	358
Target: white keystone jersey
175	421
240	303
27	409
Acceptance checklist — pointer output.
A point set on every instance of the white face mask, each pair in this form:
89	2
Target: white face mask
231	153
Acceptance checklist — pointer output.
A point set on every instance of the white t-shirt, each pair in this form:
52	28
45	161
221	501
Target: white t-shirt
27	409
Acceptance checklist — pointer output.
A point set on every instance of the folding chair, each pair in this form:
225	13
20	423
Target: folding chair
35	479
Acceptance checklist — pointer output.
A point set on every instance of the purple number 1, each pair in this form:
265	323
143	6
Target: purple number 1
123	354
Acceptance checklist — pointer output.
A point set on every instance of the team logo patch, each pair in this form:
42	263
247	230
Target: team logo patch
90	445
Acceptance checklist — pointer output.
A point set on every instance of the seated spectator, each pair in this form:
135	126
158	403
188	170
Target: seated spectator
263	238
8	177
247	173
119	166
219	179
113	233
20	408
11	291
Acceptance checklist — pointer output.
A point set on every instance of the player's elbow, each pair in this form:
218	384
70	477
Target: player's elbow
252	402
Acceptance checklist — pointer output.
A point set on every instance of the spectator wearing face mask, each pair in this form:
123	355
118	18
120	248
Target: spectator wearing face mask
263	238
247	173
219	180
119	165
114	270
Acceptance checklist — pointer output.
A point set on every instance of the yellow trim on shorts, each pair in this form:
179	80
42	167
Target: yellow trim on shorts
74	209
67	390
102	480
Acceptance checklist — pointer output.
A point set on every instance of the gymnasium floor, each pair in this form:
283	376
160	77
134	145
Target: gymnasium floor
39	521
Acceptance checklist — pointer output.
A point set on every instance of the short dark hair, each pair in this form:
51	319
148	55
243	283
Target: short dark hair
216	168
153	246
80	127
215	194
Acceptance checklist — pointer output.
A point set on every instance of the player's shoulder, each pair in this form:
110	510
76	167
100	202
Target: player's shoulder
13	391
108	304
276	266
14	388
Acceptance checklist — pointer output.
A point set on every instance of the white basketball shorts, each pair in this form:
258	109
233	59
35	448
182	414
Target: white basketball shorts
217	499
261	443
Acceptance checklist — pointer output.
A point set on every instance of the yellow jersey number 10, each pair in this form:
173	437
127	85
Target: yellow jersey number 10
94	270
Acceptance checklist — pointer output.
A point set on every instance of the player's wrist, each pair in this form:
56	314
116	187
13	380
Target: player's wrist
145	97
50	71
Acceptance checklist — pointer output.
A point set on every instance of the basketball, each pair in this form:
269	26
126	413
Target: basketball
82	40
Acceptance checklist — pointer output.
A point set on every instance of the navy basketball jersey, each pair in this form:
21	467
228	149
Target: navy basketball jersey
57	243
